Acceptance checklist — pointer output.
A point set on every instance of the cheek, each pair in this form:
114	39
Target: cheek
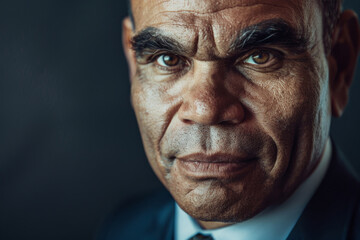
148	113
154	108
290	95
278	103
286	107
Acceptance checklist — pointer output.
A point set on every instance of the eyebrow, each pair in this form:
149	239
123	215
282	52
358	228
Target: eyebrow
274	32
152	39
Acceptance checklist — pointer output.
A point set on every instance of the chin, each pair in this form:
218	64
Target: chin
215	201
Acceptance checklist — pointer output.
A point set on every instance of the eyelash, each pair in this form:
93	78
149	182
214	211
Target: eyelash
275	55
182	62
275	62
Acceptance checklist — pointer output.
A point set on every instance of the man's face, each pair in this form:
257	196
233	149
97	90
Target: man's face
232	100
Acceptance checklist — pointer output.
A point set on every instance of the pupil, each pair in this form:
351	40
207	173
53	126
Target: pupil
170	60
261	58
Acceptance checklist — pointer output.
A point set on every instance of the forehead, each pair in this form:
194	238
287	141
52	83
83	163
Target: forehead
186	11
210	24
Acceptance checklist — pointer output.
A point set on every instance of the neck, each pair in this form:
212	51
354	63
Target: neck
213	225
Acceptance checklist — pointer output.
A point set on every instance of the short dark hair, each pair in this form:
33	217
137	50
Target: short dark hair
331	14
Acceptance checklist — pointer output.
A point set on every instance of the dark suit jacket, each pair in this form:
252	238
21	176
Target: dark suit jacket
332	213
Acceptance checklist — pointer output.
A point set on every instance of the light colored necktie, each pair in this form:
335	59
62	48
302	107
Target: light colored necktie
200	236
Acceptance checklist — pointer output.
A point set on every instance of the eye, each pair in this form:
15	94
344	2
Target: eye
168	60
259	58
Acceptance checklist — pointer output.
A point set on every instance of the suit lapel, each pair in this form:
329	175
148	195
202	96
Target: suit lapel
165	223
169	220
328	214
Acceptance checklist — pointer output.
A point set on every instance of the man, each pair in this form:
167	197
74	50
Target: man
234	101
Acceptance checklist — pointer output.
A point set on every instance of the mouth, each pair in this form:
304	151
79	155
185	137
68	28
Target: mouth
218	165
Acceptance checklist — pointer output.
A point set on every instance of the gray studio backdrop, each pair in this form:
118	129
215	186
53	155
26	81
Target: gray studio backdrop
70	150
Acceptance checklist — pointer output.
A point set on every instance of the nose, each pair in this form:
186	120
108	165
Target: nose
208	102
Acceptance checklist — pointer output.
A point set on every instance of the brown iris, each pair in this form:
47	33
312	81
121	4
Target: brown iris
261	57
168	60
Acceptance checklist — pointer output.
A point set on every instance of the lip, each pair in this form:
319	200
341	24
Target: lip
218	165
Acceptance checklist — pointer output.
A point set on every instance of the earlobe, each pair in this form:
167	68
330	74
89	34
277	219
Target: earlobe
127	34
342	60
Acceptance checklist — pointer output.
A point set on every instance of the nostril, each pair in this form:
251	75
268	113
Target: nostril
229	122
232	122
187	121
233	114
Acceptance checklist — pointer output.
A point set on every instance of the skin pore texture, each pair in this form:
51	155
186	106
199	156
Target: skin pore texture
234	99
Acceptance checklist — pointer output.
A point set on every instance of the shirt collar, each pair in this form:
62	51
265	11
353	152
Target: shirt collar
274	223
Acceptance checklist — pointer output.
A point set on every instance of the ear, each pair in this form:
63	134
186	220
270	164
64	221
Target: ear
342	60
127	35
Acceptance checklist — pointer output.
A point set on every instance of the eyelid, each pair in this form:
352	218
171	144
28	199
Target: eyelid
150	55
152	59
147	55
273	64
272	51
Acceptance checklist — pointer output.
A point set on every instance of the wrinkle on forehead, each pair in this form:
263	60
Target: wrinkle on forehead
155	10
208	25
209	6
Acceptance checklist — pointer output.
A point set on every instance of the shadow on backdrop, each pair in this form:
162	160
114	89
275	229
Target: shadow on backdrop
70	150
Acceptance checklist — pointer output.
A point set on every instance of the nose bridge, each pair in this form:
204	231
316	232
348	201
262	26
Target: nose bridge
207	83
206	100
203	97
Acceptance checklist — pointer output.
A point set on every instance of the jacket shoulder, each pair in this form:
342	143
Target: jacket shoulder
149	217
333	212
